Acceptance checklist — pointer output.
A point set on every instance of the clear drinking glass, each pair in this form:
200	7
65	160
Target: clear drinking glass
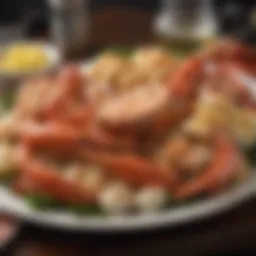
185	21
69	25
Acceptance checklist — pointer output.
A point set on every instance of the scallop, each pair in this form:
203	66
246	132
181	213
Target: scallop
116	198
93	179
8	123
151	199
73	172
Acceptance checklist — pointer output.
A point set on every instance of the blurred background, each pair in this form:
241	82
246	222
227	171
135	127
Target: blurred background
234	16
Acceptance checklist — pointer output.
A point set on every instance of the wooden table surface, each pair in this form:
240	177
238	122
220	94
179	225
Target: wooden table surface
233	231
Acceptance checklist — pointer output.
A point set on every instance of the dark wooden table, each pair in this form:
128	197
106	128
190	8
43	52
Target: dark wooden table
233	231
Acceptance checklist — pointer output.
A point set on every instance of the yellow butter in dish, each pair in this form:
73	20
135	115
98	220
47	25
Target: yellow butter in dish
22	58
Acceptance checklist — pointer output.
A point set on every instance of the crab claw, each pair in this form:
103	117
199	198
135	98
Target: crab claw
221	170
228	50
184	83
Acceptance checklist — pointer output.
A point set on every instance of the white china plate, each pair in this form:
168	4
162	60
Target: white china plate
11	204
175	216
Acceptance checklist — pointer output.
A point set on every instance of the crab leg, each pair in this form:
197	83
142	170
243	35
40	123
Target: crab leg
23	185
69	81
132	169
60	136
228	50
228	77
50	181
221	170
242	67
79	116
167	120
185	82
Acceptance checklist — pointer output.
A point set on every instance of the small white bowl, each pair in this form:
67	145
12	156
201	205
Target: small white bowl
14	78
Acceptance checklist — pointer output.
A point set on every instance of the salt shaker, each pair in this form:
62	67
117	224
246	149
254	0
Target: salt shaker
69	26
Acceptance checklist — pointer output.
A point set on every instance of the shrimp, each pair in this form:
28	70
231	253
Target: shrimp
221	170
